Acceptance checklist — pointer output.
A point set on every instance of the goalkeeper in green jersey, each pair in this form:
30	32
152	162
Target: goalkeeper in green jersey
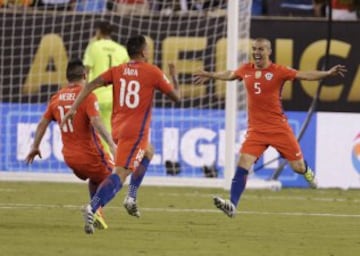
102	53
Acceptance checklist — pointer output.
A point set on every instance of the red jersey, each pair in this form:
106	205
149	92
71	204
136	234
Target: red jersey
80	140
134	84
343	5
263	87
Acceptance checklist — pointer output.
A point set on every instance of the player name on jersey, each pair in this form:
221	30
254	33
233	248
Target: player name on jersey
130	72
67	96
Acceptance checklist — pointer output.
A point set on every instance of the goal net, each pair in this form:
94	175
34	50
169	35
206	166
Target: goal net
189	138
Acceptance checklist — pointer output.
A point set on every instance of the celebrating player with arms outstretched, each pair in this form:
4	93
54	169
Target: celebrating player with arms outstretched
82	149
134	85
267	124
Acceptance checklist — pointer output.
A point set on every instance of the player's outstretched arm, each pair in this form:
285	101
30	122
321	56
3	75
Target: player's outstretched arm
39	134
99	126
203	76
98	82
318	75
174	95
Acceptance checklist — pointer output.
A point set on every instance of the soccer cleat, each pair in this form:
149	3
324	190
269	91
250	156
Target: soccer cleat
131	207
99	221
310	178
225	205
89	219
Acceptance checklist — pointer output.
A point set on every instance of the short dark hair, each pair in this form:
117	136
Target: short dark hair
75	70
135	45
105	27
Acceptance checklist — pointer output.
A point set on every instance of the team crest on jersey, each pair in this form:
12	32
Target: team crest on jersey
269	76
258	74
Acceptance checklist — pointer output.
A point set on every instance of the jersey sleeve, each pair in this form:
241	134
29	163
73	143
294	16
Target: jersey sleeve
107	76
48	114
288	73
91	105
240	72
163	83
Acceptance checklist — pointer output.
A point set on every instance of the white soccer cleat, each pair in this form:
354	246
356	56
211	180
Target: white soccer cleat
310	178
225	205
88	219
131	207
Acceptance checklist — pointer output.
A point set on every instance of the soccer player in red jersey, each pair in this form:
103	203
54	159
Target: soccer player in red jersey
267	123
82	149
134	84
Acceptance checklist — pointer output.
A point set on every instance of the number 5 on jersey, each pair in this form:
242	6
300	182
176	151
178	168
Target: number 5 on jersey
257	88
129	93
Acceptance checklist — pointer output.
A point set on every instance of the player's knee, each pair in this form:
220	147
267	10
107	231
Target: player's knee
149	152
246	161
122	173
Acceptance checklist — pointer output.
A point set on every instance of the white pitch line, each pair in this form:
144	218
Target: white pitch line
5	206
254	212
303	214
8	190
288	198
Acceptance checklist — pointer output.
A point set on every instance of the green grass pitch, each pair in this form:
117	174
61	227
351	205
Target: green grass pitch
44	219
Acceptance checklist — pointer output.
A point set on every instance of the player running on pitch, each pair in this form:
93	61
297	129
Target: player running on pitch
267	123
134	85
82	149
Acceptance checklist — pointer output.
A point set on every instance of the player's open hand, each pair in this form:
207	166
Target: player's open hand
68	116
32	154
337	70
201	77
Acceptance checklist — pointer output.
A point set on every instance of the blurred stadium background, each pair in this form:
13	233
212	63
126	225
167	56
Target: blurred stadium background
37	38
37	42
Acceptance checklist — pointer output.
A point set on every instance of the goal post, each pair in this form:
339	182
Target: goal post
190	138
231	89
